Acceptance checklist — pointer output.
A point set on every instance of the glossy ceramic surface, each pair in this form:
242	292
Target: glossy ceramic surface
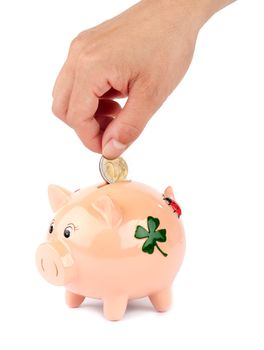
115	242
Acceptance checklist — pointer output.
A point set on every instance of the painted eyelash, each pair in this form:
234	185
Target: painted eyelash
74	226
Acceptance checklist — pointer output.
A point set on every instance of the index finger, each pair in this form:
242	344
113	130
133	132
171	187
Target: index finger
82	108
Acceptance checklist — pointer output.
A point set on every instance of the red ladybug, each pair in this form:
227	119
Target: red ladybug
176	208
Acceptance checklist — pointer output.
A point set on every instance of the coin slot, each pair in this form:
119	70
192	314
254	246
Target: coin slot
102	185
105	183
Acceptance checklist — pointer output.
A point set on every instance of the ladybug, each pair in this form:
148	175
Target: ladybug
176	208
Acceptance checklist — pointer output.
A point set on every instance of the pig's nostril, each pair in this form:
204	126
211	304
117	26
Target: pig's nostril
54	262
56	269
42	266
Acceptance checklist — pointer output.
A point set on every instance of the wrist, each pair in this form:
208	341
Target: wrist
198	11
207	8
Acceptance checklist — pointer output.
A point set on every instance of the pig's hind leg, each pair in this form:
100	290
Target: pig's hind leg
73	300
161	300
115	307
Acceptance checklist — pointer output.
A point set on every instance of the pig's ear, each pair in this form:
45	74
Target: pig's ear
169	192
108	210
58	196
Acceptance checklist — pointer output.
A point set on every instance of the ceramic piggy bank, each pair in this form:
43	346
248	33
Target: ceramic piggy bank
114	242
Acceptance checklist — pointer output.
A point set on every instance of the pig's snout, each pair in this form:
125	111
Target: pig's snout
54	262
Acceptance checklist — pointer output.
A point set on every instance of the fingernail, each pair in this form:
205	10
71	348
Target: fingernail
113	149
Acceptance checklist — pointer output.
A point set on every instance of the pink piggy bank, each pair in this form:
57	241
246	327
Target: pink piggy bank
114	242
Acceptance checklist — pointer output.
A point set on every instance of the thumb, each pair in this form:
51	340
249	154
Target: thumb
129	123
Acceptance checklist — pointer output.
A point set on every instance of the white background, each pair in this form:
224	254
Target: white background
206	141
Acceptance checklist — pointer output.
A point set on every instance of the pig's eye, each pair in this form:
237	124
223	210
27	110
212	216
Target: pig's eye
68	231
51	228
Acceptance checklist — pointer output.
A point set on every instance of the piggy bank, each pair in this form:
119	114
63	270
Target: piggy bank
113	242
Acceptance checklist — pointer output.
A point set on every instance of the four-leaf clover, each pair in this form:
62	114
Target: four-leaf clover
153	235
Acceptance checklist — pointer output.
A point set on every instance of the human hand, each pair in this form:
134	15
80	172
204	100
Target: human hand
141	54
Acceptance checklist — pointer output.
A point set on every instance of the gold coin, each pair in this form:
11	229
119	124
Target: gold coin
113	170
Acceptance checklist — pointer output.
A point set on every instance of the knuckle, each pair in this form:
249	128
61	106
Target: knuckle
72	121
89	58
84	42
151	93
76	44
58	111
151	89
83	60
153	99
128	132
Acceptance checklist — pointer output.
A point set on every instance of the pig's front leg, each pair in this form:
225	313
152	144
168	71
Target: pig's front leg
115	307
161	300
73	300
